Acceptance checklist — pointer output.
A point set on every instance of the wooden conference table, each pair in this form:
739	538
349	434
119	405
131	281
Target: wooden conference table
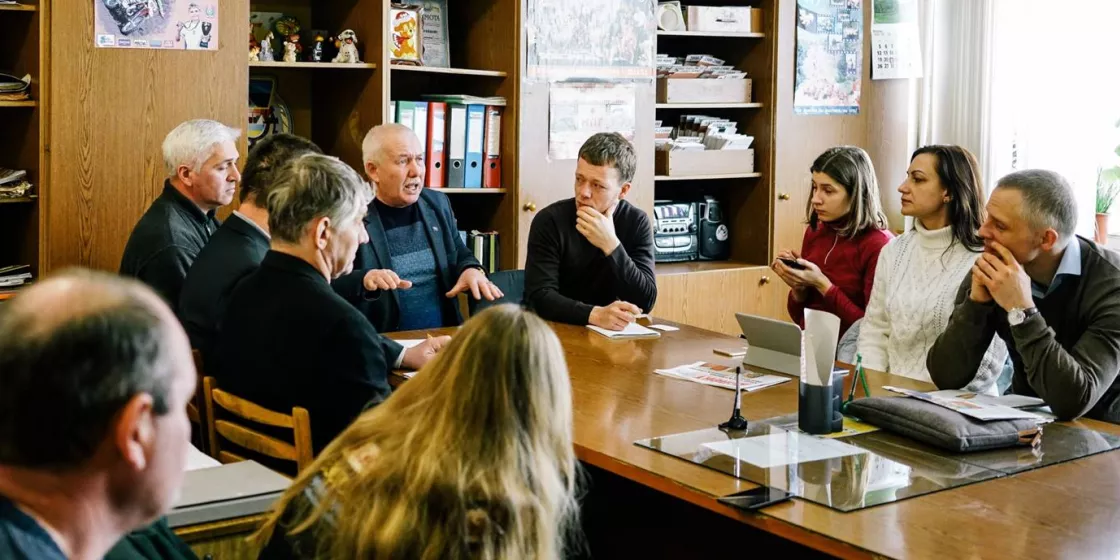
1066	510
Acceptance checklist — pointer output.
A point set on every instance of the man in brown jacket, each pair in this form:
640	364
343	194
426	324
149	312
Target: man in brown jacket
1052	296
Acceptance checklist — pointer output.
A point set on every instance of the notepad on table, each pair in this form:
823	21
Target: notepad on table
633	330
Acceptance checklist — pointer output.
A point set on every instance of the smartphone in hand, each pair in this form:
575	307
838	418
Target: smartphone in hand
792	263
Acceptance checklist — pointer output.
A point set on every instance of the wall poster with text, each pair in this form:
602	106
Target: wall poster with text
578	110
156	24
829	57
607	39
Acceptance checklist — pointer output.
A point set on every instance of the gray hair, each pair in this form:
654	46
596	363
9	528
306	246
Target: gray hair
310	187
192	142
374	142
66	374
1048	200
610	148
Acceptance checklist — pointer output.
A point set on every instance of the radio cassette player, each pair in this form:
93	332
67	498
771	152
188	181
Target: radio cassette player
675	231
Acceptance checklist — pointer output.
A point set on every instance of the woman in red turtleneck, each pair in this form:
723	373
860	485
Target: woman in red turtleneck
847	229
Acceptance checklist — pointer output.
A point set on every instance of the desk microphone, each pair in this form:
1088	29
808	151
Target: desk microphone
736	422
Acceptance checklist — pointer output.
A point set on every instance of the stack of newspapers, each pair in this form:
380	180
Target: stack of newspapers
722	376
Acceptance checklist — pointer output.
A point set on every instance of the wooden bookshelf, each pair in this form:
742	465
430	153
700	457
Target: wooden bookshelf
22	137
746	199
448	71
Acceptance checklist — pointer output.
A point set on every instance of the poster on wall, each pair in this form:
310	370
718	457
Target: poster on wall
576	110
895	48
829	57
579	39
156	24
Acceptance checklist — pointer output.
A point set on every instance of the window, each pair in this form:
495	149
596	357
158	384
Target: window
1055	104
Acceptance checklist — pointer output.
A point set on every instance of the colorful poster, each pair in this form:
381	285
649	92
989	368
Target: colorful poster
578	110
895	48
579	39
829	57
156	24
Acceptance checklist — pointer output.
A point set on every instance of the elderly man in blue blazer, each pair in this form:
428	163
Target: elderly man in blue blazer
409	274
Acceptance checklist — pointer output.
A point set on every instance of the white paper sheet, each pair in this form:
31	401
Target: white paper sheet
197	460
1014	401
633	330
666	328
409	343
787	448
818	350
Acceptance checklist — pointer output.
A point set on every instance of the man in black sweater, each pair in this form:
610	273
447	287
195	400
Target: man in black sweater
287	339
590	258
1052	296
201	161
237	248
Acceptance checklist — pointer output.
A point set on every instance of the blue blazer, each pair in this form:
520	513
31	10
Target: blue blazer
452	257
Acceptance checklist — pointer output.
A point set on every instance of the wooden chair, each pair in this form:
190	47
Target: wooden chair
236	408
196	407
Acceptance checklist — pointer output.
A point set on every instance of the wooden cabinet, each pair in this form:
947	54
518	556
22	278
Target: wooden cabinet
708	295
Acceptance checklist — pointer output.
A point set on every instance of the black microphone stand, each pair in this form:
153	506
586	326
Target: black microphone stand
736	422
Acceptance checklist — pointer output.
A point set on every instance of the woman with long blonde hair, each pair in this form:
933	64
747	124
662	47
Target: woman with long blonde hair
471	458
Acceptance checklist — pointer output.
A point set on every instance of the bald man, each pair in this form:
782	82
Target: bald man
95	375
415	264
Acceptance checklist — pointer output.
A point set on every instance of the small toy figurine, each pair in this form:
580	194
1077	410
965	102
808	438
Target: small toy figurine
347	47
292	48
315	53
254	53
266	48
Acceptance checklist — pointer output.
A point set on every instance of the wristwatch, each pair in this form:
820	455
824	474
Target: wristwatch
1017	315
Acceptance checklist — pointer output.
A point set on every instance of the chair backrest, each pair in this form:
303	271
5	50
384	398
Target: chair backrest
233	410
196	407
512	285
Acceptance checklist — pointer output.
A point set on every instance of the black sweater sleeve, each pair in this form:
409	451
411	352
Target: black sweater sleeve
633	268
542	275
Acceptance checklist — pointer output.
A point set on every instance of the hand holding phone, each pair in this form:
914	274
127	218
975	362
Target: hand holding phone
792	263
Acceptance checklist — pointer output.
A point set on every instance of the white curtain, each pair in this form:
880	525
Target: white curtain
1059	91
955	96
1024	84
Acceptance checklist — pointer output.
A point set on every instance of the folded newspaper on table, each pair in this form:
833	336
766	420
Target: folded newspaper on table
972	405
721	376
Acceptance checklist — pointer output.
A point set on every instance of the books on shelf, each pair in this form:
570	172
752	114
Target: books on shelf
15	275
14	88
485	247
462	141
13	183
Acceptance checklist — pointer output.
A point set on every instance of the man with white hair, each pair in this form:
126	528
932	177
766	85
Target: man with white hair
407	276
201	161
95	376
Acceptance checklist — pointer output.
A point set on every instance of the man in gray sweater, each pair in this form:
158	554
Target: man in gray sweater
1052	296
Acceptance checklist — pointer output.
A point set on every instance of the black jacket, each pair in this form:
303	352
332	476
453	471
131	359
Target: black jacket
165	242
452	258
288	340
234	251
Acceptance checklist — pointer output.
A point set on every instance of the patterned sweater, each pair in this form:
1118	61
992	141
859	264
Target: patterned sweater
916	283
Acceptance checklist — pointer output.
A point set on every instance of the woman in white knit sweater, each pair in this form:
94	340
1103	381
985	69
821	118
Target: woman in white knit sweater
918	274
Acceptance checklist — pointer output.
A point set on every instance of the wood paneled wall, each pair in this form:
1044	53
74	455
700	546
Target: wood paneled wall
110	110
